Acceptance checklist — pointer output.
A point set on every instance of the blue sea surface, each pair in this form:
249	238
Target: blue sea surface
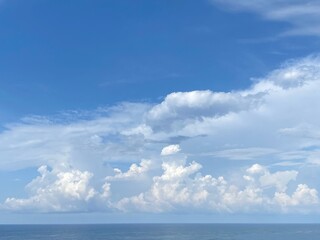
162	232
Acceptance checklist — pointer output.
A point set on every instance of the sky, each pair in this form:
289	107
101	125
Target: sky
159	111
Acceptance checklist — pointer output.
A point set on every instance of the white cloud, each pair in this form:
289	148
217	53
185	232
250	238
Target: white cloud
179	108
71	141
303	195
176	187
302	15
271	117
182	186
135	171
281	102
56	192
279	179
256	169
274	122
171	149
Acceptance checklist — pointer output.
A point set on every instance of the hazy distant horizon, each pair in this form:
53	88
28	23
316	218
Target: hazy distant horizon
158	231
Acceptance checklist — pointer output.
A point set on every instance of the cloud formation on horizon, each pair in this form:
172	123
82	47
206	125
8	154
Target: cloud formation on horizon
158	157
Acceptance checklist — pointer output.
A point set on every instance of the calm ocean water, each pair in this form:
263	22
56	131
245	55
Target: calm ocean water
161	232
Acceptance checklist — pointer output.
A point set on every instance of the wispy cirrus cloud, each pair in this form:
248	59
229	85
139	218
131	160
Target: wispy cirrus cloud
302	15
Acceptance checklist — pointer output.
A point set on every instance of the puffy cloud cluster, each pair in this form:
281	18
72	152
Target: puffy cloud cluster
182	186
57	192
303	195
275	122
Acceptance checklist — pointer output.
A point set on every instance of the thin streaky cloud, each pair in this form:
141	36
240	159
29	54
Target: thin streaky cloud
303	16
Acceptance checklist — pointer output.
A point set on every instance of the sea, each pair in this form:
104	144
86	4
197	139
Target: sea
161	232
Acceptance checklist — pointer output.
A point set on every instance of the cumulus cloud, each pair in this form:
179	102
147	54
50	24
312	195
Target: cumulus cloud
279	179
171	149
57	192
303	195
94	159
135	171
302	15
182	186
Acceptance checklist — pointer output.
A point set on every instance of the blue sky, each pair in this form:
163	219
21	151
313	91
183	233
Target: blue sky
61	56
159	111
